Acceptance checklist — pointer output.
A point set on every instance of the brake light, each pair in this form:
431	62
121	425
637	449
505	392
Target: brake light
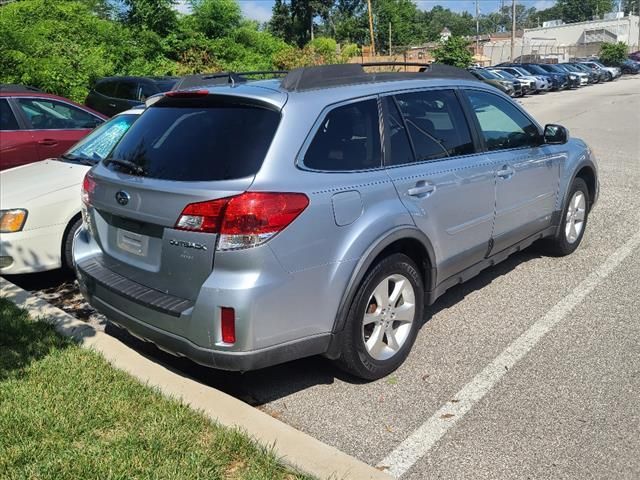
187	93
88	188
245	220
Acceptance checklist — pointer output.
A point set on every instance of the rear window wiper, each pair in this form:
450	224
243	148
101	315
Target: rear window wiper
132	167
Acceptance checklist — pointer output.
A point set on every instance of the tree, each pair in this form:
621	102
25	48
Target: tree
293	21
63	47
454	51
280	24
403	17
613	53
583	10
216	18
631	7
439	17
156	15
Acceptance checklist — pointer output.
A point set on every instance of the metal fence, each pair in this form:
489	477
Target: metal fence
539	51
493	53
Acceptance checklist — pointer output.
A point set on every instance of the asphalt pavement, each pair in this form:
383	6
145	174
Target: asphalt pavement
530	370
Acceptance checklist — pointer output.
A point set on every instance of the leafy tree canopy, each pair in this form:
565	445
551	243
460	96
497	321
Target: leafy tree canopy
454	51
613	53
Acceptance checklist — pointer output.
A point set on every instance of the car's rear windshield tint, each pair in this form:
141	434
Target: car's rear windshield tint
193	143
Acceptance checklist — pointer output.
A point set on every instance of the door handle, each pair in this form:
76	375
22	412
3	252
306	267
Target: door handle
112	105
421	189
48	142
506	172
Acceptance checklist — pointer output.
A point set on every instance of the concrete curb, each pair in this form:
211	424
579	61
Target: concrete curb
294	447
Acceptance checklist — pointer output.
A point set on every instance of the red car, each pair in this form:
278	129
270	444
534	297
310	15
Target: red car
36	125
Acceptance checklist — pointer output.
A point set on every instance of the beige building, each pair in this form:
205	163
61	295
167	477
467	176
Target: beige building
557	42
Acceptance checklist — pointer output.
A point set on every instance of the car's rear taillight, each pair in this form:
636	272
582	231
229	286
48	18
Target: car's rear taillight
88	188
245	220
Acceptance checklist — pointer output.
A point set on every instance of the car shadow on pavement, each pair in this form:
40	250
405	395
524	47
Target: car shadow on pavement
269	384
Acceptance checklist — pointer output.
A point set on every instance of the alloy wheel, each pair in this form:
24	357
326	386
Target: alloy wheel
388	317
576	213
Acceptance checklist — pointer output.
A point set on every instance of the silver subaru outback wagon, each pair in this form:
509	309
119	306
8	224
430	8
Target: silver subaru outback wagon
256	222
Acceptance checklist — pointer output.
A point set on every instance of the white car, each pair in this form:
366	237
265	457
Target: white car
40	207
543	84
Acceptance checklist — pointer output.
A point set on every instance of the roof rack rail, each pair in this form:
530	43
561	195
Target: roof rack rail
396	64
14	88
326	76
273	73
222	78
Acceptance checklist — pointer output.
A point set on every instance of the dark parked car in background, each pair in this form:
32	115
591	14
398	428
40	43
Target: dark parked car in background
500	83
630	67
35	125
112	95
635	56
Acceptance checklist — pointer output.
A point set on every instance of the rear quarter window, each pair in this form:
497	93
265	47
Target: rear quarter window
196	143
348	139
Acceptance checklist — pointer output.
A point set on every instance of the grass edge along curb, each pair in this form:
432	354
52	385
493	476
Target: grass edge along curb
294	448
66	413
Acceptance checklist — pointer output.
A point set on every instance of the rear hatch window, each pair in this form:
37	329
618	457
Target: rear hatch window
191	140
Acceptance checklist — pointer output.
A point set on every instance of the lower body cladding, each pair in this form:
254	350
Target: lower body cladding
277	315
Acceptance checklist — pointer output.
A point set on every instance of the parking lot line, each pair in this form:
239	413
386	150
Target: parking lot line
405	455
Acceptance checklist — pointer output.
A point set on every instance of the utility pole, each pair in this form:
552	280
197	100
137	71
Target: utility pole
389	38
513	29
373	42
477	28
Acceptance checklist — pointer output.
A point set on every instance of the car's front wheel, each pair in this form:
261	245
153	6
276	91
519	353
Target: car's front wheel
67	244
574	220
384	319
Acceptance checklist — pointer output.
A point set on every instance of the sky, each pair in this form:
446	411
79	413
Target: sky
261	9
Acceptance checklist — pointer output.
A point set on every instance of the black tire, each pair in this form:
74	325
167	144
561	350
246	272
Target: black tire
559	245
355	359
67	245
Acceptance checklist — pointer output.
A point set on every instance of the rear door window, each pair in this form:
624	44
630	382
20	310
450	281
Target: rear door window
196	143
436	124
7	118
47	114
348	139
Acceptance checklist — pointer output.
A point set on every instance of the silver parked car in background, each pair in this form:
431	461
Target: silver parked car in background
252	223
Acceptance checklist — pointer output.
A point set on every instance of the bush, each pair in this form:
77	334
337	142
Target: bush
62	47
454	51
613	53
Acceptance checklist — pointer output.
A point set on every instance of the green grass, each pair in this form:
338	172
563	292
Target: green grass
65	413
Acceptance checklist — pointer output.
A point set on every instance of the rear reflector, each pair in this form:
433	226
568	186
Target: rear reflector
245	220
228	324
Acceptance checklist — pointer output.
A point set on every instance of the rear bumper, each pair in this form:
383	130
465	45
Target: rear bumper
273	321
234	361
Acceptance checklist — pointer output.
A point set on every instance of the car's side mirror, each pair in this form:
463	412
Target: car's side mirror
555	134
